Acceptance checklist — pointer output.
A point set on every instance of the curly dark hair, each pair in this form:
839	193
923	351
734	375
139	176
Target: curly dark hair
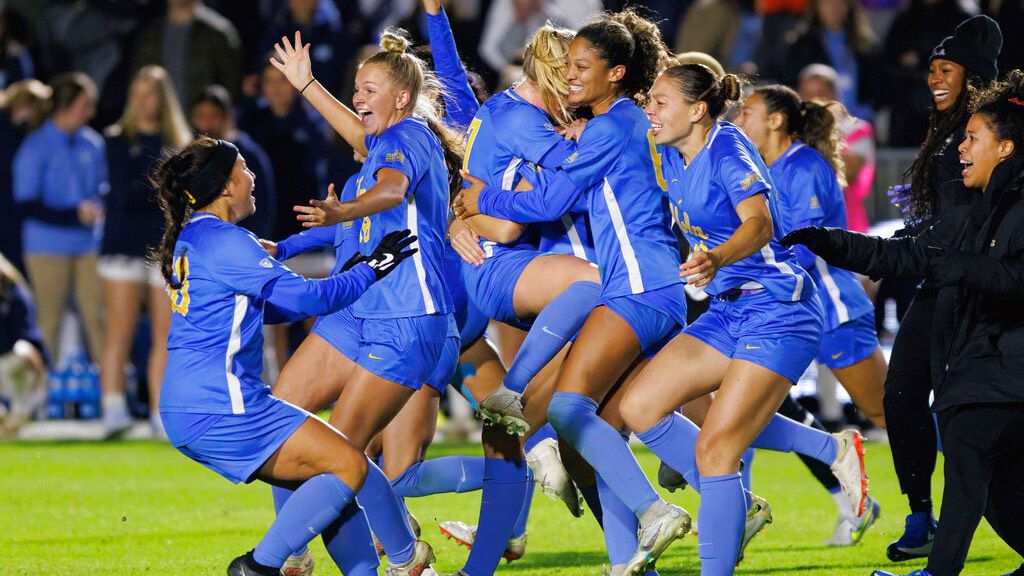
1002	104
941	129
629	39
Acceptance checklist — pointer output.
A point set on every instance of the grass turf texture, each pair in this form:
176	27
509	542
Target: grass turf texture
142	508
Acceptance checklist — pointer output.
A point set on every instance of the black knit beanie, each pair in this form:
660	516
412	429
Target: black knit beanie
975	45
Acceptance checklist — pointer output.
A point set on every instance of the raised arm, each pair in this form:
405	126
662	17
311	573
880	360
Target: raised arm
459	99
293	61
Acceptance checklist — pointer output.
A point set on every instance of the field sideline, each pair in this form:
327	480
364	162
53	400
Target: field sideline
141	508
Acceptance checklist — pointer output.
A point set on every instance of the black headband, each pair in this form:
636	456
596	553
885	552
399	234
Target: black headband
208	182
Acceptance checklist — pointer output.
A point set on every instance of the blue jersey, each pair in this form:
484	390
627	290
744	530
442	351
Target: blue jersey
809	195
704	194
614	170
411	148
228	283
569	234
507	136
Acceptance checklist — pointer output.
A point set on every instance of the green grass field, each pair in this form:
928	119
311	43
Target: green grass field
142	508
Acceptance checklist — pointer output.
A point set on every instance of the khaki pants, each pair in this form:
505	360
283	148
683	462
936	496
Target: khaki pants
53	276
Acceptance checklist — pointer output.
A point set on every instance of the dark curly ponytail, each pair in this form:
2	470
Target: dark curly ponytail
628	39
173	198
1002	104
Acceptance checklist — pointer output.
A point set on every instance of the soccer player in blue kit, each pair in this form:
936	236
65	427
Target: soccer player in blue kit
799	142
216	410
611	61
372	357
760	333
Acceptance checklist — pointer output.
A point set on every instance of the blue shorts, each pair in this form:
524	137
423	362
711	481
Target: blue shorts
492	284
656	316
403	350
449	361
849	343
473	326
234	445
780	336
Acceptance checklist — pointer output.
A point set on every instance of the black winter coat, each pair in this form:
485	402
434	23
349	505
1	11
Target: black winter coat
977	347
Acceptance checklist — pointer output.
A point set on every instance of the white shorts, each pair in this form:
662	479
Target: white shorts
120	268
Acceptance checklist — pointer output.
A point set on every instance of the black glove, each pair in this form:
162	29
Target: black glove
815	238
355	259
390	252
948	269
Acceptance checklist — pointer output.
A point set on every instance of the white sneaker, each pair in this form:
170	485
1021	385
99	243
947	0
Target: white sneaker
661	525
298	565
418	565
115	423
849	469
759	516
548	471
504	408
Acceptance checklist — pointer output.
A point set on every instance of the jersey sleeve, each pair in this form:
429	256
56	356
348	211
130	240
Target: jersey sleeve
237	261
306	241
738	173
291	297
601	144
459	99
398	152
802	197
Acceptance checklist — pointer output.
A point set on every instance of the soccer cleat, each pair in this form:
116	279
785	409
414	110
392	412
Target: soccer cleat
849	468
849	531
246	565
914	573
1018	572
504	408
916	541
298	565
414	524
418	565
549	472
378	546
759	516
661	525
115	424
617	570
669	479
465	534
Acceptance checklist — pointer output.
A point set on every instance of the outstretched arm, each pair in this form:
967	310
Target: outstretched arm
459	99
293	61
388	192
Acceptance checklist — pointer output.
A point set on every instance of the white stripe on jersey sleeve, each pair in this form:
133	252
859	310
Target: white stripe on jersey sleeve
234	344
769	258
508	177
574	237
833	290
636	282
412	222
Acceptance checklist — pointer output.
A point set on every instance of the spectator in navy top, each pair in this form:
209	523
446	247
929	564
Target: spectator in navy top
212	114
60	173
22	354
321	26
294	141
23	107
152	121
15	60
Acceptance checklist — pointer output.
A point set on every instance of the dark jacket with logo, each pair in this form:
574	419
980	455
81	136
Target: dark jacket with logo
977	347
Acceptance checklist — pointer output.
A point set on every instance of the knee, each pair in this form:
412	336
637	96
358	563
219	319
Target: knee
637	414
565	408
713	456
352	469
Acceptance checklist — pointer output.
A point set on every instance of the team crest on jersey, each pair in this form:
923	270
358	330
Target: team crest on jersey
266	263
750	180
572	157
395	156
814	203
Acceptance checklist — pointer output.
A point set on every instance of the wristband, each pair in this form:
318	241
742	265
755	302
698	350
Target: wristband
311	80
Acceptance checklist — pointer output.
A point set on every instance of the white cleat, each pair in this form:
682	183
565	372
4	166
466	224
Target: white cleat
849	469
661	525
548	471
504	408
759	516
298	565
465	534
419	565
849	530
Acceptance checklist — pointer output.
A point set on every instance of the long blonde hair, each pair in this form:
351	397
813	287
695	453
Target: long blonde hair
29	92
544	61
173	127
408	72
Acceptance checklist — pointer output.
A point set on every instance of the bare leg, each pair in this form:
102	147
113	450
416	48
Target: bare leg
865	381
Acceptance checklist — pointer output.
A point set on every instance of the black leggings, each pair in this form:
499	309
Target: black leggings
907	387
794	411
984	450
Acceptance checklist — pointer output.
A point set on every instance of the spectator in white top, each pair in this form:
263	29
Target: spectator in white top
510	23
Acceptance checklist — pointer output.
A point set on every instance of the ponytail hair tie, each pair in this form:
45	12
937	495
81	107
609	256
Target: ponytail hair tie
1015	100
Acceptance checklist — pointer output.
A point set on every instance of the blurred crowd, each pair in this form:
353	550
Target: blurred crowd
93	91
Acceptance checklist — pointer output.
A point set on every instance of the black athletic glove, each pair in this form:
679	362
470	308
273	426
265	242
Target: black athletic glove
355	259
390	252
815	238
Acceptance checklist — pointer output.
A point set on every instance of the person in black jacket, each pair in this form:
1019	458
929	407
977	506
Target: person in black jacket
976	344
960	64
